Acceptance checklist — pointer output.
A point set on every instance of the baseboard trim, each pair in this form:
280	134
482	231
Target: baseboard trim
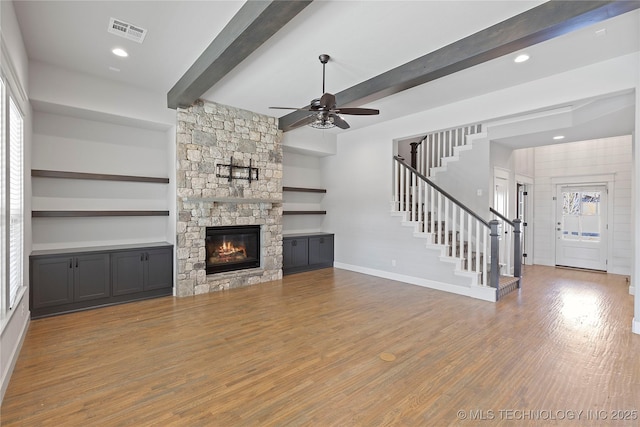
635	326
632	290
478	292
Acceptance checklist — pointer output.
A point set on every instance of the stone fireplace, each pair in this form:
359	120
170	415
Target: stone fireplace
229	175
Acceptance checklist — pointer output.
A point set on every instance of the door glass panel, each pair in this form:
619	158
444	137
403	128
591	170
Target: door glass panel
581	215
591	215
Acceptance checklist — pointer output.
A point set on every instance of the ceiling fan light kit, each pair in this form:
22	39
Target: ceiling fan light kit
324	109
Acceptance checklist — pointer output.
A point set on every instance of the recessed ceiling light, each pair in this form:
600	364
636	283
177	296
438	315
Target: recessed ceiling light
558	137
117	70
521	58
120	52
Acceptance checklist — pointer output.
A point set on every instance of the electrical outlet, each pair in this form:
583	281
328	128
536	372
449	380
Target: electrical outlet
393	263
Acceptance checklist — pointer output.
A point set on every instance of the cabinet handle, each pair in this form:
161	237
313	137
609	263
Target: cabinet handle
76	262
70	262
322	240
294	243
146	257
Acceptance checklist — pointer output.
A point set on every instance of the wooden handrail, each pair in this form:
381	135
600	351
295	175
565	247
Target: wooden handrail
443	192
499	215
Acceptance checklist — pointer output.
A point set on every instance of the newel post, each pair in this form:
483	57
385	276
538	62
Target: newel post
517	249
414	152
494	279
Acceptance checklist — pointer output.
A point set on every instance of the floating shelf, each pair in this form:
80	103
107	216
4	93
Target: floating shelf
96	176
304	190
69	214
304	212
236	200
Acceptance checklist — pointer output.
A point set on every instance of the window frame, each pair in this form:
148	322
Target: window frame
10	300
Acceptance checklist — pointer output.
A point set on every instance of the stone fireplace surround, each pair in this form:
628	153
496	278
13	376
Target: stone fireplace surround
209	134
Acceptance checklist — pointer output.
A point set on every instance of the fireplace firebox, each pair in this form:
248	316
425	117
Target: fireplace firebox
232	248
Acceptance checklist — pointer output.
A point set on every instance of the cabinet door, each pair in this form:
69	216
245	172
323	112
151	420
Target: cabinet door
321	250
295	252
158	268
51	281
91	276
127	272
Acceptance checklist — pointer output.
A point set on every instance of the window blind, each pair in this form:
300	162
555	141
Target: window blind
3	214
15	202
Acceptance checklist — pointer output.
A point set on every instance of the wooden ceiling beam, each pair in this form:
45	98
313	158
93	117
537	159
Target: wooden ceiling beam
255	23
544	22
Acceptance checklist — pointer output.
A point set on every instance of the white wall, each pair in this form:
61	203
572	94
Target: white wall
502	158
358	178
302	170
14	66
74	144
469	178
87	124
581	160
74	93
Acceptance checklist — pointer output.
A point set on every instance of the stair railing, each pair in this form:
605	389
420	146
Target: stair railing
433	147
448	221
510	234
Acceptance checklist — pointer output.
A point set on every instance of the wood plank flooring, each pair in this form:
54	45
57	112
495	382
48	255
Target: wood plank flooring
305	351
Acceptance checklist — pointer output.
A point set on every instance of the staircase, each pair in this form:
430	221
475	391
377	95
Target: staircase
468	243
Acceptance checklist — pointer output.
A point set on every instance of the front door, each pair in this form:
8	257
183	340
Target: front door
581	226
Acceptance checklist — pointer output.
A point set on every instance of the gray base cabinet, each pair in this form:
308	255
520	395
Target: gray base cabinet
304	252
69	280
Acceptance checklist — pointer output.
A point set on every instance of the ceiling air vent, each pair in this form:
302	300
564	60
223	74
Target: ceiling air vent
126	30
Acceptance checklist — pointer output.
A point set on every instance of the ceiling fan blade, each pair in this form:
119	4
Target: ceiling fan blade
290	108
338	121
328	101
358	111
304	121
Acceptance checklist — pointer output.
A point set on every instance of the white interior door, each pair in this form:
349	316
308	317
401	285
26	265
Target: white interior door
581	226
501	204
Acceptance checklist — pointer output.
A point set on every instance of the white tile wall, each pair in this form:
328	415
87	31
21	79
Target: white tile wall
581	159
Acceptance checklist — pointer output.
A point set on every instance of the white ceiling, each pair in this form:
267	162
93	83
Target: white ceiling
364	39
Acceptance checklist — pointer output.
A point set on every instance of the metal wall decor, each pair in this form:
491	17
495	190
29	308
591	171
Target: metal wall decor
231	171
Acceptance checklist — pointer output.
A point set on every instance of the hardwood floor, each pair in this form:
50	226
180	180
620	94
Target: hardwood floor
305	351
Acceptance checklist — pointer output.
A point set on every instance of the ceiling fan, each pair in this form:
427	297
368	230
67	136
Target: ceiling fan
325	112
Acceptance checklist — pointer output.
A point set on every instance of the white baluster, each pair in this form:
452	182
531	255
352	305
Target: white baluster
432	210
395	184
407	183
414	201
447	202
485	239
461	233
402	177
454	237
420	208
469	242
439	223
477	245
